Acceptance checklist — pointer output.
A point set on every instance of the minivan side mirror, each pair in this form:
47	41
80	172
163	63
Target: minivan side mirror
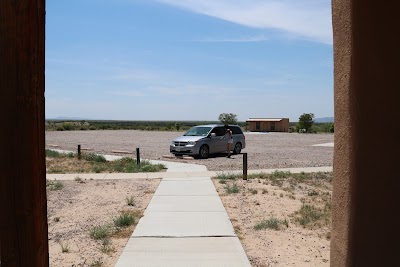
213	135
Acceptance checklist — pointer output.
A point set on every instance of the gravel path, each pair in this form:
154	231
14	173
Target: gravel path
265	150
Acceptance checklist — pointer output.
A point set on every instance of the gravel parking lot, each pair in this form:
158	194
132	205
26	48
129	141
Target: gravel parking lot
265	150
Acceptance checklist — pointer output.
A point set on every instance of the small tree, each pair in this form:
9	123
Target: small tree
177	126
306	121
228	118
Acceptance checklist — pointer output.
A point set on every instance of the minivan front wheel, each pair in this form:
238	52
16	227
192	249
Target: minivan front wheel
204	151
237	149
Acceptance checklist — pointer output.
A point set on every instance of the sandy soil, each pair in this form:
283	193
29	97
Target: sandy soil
291	245
268	150
78	207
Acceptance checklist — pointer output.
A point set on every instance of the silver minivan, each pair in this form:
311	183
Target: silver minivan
203	140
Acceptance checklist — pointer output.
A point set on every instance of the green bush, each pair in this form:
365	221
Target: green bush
234	189
64	247
67	126
130	200
309	214
98	168
124	219
271	223
228	176
54	185
52	154
129	165
93	157
100	232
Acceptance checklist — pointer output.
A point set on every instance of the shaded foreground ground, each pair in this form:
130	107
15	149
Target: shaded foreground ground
292	217
77	207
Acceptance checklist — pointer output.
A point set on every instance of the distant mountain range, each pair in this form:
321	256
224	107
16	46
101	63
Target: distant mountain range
324	120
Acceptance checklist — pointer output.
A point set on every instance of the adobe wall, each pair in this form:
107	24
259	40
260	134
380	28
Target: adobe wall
365	229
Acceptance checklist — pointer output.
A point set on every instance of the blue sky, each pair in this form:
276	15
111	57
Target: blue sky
188	59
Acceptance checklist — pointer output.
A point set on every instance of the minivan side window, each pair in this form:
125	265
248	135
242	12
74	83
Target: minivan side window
236	130
219	131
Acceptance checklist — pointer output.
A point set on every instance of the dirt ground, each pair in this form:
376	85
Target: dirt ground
79	206
292	244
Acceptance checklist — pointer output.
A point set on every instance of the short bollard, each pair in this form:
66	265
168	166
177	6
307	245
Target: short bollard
244	166
79	151
137	156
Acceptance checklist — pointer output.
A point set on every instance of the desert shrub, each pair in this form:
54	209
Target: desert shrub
97	263
253	191
67	126
124	219
271	223
130	200
98	168
64	247
93	157
52	154
310	216
100	232
106	246
232	189
54	185
228	176
144	166
281	174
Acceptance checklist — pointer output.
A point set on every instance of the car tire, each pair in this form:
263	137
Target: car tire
204	152
237	149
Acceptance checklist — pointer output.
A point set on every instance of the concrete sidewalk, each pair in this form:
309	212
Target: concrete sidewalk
185	224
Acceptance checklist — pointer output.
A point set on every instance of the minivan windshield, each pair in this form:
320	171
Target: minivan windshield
198	131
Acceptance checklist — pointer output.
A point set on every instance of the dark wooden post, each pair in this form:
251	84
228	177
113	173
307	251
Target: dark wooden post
79	151
244	166
23	171
137	156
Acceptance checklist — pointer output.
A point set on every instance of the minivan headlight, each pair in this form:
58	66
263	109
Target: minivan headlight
191	143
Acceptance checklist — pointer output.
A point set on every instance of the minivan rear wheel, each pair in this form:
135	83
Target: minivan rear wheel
204	151
237	149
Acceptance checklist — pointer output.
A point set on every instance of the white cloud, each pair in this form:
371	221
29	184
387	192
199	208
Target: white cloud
308	19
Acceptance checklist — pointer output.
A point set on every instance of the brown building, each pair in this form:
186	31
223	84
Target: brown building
268	124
